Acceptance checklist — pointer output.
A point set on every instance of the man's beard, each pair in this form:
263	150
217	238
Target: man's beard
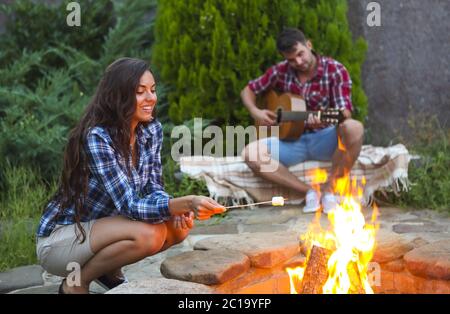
304	69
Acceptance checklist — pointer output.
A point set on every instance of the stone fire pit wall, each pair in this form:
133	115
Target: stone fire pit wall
256	262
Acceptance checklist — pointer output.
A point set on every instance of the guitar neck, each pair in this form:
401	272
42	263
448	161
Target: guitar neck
296	115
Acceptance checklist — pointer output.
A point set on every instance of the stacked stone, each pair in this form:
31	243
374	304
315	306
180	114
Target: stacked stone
412	266
243	263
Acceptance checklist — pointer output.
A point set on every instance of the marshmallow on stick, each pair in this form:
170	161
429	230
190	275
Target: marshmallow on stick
276	201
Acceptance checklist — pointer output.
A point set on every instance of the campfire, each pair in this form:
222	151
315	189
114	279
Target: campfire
337	257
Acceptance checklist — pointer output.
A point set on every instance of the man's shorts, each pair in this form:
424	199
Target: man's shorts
319	145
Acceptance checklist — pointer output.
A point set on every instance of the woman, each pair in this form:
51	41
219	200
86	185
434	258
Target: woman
111	209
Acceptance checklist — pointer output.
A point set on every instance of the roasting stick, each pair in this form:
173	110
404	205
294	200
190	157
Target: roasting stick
276	201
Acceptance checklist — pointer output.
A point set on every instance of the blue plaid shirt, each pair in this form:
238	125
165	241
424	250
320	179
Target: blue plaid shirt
111	191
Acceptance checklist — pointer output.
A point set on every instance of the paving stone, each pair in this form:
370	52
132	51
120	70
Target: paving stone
430	261
405	283
21	277
50	289
244	228
297	261
264	249
418	242
396	266
276	216
53	289
416	226
390	246
215	229
210	267
161	286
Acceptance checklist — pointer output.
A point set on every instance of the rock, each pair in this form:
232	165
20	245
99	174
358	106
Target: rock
210	267
297	261
21	277
161	286
244	228
215	229
265	250
50	289
394	266
390	246
405	283
430	261
418	242
417	226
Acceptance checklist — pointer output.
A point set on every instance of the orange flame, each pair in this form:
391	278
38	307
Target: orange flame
350	239
341	145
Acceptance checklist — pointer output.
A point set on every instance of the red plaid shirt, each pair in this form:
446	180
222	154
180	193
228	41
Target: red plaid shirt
329	88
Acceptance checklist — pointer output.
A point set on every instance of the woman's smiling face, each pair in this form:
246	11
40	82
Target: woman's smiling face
145	98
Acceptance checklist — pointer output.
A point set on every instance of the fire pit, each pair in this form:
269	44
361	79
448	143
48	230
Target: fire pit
343	252
337	257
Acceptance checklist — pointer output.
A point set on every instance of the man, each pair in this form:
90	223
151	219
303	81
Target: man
323	83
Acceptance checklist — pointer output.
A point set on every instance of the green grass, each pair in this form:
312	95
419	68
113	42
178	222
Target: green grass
429	175
22	200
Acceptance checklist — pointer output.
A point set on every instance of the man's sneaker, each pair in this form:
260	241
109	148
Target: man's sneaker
312	202
329	202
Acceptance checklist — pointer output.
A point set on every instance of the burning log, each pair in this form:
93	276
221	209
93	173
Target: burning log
316	272
356	286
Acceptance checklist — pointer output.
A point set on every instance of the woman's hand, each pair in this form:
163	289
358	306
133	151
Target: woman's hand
185	221
206	207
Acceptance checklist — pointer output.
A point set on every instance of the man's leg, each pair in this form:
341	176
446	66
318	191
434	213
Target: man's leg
351	133
257	157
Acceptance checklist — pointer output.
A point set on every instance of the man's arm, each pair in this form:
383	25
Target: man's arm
263	116
341	91
249	99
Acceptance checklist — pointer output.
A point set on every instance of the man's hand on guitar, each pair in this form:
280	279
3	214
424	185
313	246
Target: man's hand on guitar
314	122
264	117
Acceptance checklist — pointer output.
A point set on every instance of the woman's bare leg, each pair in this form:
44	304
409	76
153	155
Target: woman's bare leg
173	236
118	241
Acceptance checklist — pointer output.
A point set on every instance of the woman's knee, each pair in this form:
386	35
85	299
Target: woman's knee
149	238
180	235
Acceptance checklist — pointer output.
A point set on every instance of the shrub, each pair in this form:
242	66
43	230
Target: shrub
21	205
46	82
208	50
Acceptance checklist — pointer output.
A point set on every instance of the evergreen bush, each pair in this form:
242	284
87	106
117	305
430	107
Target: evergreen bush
49	71
208	50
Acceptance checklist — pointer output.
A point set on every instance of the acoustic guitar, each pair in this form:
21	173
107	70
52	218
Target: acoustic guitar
291	113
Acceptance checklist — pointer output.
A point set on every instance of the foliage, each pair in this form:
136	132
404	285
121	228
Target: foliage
429	175
21	205
49	71
208	50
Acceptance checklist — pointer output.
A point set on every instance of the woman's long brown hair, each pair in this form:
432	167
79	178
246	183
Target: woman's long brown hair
112	107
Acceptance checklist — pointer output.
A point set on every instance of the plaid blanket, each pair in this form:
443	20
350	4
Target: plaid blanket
230	180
